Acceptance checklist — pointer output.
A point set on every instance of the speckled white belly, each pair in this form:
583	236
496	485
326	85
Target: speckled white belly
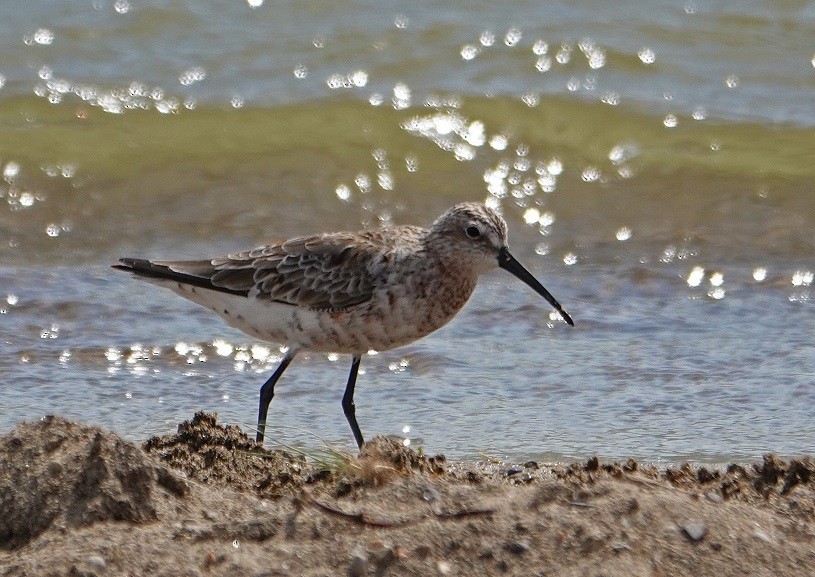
388	321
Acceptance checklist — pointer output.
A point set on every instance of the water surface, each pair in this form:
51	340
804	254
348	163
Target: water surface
653	162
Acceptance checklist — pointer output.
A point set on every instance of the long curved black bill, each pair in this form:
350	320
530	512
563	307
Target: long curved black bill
507	262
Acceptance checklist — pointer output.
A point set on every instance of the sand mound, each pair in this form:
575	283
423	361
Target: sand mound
56	472
391	450
223	456
383	459
76	500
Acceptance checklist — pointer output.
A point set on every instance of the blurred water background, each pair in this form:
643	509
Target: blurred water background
654	161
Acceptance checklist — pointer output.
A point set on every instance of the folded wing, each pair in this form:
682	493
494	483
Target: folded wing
324	272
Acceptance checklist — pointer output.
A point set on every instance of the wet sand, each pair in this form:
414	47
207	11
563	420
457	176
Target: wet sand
77	500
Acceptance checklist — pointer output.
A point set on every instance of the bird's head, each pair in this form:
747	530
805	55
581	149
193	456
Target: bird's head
473	238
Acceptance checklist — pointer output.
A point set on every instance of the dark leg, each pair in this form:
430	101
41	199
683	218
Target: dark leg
348	401
266	394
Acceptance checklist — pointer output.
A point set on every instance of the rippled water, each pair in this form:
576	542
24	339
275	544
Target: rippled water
654	163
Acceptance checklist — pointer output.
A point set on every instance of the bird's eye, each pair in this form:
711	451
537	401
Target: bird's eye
473	232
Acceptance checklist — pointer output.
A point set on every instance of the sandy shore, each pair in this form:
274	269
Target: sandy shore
76	500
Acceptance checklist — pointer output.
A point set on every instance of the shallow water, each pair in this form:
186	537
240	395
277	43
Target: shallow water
654	165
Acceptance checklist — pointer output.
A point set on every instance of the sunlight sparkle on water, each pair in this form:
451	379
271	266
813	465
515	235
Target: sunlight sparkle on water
487	38
555	167
192	75
356	79
716	293
41	36
760	274
463	152
531	99
121	6
543	64
450	131
385	180
802	278
513	36
343	192
593	53
445	123
193	353
590	174
547	182
399	366
363	182
475	134
53	333
496	180
499	142
564	54
401	96
260	352
11	171
697	274
532	215
223	348
623	234
492	202
359	78
647	55
622	153
469	51
670	121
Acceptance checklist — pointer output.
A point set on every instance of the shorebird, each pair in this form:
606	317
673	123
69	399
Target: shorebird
347	292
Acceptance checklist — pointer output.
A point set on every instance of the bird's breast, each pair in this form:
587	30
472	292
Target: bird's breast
399	313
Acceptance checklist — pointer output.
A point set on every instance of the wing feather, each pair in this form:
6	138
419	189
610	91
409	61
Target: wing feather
322	272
